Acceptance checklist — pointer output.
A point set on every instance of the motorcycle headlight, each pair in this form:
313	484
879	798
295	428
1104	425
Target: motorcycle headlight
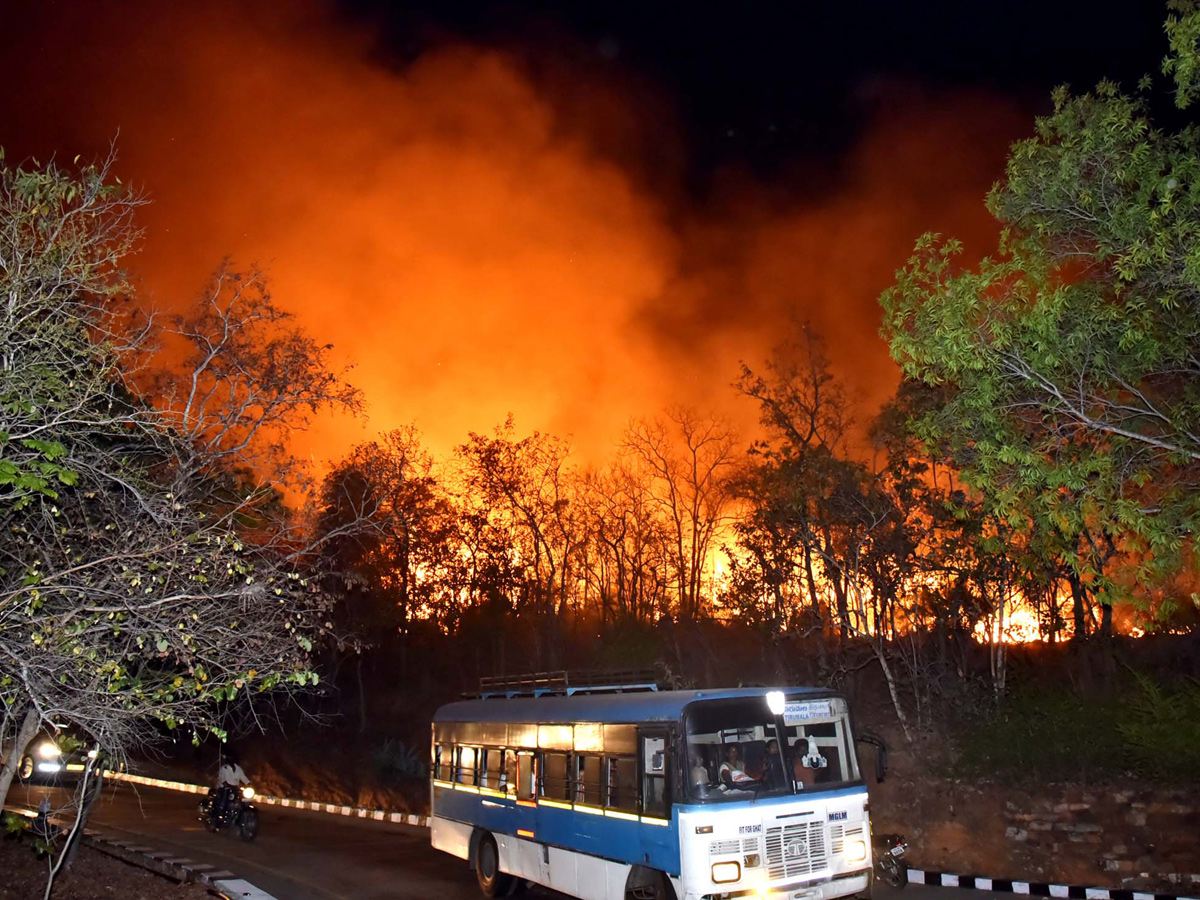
856	851
247	793
47	750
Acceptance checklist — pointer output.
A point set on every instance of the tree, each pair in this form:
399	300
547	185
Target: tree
139	584
523	489
394	548
1069	357
689	459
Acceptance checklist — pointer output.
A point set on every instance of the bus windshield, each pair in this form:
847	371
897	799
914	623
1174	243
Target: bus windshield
738	749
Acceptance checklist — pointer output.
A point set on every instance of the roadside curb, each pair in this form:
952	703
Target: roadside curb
166	863
335	809
1034	888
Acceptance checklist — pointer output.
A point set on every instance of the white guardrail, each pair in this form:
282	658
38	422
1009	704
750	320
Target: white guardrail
336	809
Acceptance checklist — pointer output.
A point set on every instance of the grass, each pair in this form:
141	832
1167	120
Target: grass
1052	734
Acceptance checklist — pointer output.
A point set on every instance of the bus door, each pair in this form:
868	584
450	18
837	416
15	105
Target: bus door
655	766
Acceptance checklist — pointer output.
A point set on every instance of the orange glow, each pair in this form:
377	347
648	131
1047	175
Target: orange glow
467	236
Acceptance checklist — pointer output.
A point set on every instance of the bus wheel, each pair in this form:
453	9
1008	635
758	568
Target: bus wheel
647	884
492	881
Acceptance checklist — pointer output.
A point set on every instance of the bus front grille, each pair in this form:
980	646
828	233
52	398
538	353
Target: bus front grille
794	851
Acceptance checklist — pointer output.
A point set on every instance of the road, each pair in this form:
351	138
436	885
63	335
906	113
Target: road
302	855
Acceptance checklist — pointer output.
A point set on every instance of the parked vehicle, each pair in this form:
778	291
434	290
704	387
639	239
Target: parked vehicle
611	793
890	866
230	808
54	755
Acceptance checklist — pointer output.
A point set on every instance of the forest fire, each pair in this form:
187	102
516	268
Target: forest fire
468	244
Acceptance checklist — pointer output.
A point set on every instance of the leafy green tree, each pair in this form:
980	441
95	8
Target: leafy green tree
140	583
1069	357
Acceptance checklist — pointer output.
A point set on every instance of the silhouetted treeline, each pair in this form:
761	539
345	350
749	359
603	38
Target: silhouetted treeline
819	531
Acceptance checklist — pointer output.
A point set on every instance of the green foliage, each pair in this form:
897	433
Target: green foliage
395	761
1047	734
1162	728
1067	360
1043	735
1183	62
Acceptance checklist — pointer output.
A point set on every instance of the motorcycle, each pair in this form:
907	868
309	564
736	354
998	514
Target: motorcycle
227	807
890	867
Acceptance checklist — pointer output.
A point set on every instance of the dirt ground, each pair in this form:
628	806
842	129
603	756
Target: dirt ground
93	876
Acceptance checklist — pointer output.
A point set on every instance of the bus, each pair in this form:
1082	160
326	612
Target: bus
654	795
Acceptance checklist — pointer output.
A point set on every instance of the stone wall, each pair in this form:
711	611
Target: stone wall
1127	836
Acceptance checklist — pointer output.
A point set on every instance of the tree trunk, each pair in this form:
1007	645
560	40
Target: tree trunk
25	735
1079	610
893	690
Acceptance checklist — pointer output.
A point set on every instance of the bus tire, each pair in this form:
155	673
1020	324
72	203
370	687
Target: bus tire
648	884
492	882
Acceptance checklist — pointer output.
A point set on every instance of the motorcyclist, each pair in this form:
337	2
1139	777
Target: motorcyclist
229	778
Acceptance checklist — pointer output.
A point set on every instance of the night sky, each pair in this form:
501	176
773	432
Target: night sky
767	85
574	213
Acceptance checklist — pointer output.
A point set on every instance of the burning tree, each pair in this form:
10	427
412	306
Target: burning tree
1068	359
147	574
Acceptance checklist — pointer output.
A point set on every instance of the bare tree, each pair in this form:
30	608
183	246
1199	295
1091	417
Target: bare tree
690	459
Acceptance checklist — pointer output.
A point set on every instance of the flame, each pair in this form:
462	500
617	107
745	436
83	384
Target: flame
463	234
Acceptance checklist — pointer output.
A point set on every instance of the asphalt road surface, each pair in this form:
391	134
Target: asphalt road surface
302	855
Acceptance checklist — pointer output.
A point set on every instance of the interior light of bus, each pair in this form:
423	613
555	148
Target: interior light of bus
856	851
654	820
703	829
775	702
726	872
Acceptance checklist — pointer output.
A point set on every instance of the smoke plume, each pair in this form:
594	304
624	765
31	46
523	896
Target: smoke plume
472	237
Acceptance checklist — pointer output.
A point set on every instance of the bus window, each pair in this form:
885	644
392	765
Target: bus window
495	769
591	784
445	762
510	772
620	740
466	765
622	783
654	776
556	783
525	780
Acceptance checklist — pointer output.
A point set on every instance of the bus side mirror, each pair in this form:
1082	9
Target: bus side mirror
881	752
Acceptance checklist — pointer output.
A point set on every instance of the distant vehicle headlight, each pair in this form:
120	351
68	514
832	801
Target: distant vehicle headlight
856	851
247	793
47	750
725	872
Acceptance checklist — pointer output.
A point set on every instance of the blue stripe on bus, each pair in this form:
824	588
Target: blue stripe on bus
616	839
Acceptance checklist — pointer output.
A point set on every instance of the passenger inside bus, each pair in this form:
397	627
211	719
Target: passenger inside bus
773	772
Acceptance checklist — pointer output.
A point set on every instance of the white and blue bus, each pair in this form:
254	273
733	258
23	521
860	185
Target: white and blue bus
693	795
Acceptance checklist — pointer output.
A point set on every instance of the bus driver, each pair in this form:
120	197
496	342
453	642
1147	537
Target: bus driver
732	773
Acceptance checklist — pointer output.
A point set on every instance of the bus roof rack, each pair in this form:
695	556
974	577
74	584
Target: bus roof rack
566	683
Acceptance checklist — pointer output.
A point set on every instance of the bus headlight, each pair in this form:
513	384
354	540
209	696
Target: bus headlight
247	793
47	750
725	872
856	851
